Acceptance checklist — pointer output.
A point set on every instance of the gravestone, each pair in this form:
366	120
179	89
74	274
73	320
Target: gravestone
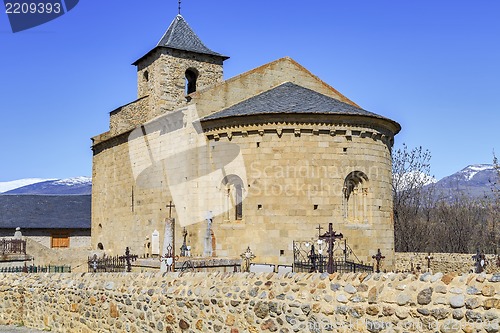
155	243
18	234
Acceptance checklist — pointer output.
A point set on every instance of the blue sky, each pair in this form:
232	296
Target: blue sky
433	66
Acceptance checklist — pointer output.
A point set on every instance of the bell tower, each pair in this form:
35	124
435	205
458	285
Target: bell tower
179	65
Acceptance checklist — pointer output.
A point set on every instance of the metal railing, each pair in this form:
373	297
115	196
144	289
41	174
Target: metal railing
12	246
36	269
106	264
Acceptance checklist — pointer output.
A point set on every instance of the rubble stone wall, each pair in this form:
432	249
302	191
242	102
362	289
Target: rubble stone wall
442	262
249	302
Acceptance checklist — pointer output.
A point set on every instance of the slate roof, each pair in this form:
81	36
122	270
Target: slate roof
290	98
180	36
45	211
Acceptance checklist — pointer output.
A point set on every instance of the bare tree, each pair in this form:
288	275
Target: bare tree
458	225
493	234
411	171
424	221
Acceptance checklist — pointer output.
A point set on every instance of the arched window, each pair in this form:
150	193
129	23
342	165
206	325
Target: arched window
233	188
355	197
191	77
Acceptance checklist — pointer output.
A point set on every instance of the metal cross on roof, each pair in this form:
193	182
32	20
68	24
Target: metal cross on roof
179	7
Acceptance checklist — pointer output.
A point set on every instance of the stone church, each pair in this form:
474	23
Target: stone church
258	160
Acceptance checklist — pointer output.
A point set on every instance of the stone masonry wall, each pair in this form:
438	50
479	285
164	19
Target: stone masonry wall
442	262
249	302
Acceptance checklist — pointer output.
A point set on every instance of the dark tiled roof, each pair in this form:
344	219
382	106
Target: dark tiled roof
180	36
290	98
45	211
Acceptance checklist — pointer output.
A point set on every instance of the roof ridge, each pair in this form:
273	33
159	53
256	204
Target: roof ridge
341	96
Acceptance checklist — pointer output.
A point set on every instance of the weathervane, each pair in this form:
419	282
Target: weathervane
179	7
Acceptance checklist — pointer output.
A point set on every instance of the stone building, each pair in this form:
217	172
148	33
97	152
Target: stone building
265	156
53	221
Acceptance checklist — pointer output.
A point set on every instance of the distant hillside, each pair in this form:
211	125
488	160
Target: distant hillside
45	211
70	186
474	181
11	185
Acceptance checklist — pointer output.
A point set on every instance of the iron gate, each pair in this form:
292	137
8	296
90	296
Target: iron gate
312	256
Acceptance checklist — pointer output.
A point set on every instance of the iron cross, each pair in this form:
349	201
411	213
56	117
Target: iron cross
429	258
330	236
378	257
170	206
319	228
128	258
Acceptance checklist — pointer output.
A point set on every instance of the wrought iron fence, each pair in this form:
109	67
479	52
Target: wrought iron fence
106	264
309	256
201	266
12	246
36	269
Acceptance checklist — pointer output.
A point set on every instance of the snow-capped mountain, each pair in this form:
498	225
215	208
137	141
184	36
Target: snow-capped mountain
36	186
7	186
404	181
474	181
472	170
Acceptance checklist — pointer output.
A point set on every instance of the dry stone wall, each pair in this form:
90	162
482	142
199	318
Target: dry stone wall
442	262
249	302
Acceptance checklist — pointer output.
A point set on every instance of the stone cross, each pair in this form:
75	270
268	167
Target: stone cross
170	206
378	257
208	235
330	236
429	258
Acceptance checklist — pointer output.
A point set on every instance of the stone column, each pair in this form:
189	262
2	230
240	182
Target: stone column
168	243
